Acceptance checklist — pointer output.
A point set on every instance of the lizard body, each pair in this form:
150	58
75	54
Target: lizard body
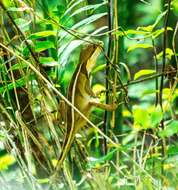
80	95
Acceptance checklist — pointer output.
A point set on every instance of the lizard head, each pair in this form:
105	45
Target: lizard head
89	55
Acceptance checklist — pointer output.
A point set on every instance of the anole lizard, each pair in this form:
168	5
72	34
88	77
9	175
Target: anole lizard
82	97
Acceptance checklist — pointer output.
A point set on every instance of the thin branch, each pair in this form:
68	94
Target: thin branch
147	78
156	68
143	80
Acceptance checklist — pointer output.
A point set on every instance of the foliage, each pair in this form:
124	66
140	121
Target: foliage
40	45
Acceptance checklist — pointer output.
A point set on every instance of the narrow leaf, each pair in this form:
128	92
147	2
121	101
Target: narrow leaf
156	115
43	45
131	32
86	8
88	20
143	73
43	34
98	68
141	118
74	5
170	129
159	18
19	66
6	161
103	159
19	9
18	83
150	28
136	46
169	54
65	50
158	32
48	61
22	24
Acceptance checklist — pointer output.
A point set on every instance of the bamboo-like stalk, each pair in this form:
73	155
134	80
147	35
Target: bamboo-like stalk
107	73
163	143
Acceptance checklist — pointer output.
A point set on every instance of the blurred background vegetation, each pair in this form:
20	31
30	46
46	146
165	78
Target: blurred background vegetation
137	69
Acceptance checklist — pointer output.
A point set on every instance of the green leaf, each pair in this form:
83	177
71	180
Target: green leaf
22	24
156	33
88	20
141	118
137	32
148	92
60	11
48	61
43	45
88	7
74	5
133	32
158	19
18	83
170	129
19	9
6	161
145	183
143	73
65	50
43	181
150	28
156	115
98	68
169	54
95	161
147	118
19	66
145	46
43	34
25	51
175	7
172	149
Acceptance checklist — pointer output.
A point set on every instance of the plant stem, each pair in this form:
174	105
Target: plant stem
107	74
165	36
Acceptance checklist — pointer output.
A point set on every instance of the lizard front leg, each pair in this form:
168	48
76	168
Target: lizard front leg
108	107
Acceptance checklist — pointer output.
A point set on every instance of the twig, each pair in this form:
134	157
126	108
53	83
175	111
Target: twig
157	98
156	68
142	80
